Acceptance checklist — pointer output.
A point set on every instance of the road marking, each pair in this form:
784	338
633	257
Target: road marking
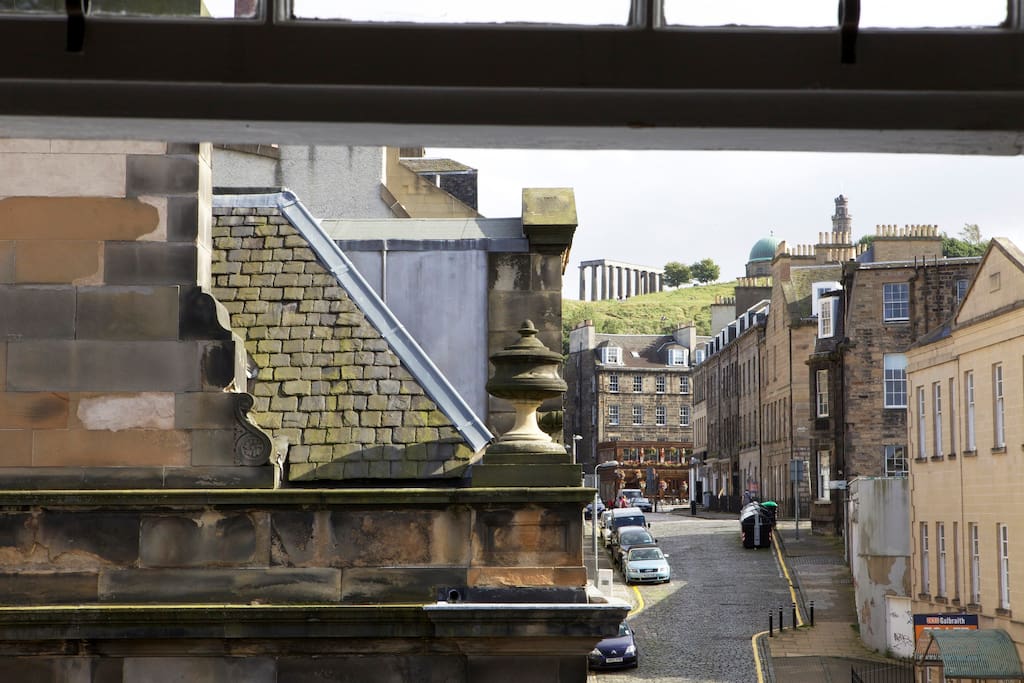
639	602
757	656
789	580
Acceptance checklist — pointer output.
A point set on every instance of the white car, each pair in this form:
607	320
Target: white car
646	564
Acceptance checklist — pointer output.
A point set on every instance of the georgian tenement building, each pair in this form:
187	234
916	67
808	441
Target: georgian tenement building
630	399
891	295
966	436
727	411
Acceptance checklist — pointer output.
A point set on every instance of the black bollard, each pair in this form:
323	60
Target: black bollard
781	626
812	612
794	615
771	633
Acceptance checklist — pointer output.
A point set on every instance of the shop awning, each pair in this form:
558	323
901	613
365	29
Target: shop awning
983	654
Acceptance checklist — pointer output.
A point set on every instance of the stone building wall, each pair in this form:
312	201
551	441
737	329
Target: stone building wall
327	386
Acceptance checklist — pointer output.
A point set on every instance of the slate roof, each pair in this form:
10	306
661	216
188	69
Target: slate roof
797	290
986	654
639	350
435	166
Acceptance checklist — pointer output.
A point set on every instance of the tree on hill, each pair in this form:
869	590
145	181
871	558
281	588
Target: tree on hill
970	242
677	274
705	271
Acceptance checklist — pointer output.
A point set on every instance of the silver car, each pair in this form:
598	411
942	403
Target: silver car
646	564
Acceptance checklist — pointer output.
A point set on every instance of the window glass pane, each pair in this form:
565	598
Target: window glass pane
216	9
815	13
896	301
590	13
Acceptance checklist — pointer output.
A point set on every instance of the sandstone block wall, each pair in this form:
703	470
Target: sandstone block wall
328	387
107	340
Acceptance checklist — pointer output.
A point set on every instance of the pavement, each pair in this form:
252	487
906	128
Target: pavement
821	584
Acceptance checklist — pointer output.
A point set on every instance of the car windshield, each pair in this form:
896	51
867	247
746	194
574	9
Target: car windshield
624	629
635	537
645	554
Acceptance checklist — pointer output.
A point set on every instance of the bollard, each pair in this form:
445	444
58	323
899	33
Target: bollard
771	633
781	626
794	615
812	612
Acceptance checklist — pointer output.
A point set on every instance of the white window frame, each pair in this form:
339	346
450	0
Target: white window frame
926	586
1003	536
940	566
821	392
937	414
895	301
659	416
922	431
975	546
956	561
611	355
970	437
678	357
684	384
684	416
894	372
961	289
660	383
998	407
824	475
638	415
613	416
826	317
638	384
895	454
613	383
952	416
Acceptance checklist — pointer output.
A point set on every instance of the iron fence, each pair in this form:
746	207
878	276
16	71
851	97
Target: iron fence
897	672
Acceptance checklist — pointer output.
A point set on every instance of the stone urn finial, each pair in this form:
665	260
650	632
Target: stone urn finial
526	374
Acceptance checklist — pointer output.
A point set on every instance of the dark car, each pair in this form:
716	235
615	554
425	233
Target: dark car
588	511
643	503
628	537
617	652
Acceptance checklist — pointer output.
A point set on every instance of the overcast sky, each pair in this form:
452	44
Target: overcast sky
649	208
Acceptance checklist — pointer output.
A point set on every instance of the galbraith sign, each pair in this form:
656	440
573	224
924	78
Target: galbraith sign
945	622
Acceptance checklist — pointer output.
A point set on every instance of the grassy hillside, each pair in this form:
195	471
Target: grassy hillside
658	313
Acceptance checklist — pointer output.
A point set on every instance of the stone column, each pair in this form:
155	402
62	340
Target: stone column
661	282
638	276
604	282
583	283
618	280
629	282
593	283
611	283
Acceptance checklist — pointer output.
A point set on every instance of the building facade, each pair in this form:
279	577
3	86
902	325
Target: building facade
966	400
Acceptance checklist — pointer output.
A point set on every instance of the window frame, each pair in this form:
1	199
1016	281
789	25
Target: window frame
684	416
660	416
895	302
638	415
937	419
685	386
613	415
940	560
926	586
998	407
1003	542
613	383
898	381
612	355
660	384
970	435
826	318
821	392
974	543
638	384
922	427
891	453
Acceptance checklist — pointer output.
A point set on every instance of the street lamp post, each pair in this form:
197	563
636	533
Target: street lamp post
575	438
593	511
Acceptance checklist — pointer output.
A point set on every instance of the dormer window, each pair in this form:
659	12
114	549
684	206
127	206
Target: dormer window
828	308
679	357
611	355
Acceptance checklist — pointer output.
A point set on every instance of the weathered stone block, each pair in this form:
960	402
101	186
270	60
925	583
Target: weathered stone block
81	218
149	263
398	584
210	539
90	537
33	411
127	313
87	448
58	261
37	312
527	576
17	448
213	447
199	669
103	366
161	175
205	409
278	585
422	668
47	587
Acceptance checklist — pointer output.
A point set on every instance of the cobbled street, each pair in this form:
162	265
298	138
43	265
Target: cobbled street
698	627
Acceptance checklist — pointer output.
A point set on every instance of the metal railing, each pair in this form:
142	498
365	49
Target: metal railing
897	672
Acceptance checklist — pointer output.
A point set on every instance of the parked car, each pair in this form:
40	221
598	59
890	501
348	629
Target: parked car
589	510
617	652
627	537
605	522
643	503
630	495
646	564
624	517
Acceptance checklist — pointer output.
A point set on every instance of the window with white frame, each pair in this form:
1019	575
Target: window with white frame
998	407
895	301
638	384
638	415
699	356
678	356
896	460
961	289
952	416
611	355
926	586
1004	566
970	443
613	383
824	475
613	416
684	416
921	431
975	546
684	384
940	565
894	367
659	416
956	561
821	392
937	415
826	317
659	384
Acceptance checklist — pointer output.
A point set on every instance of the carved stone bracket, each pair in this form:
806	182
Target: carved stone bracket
252	445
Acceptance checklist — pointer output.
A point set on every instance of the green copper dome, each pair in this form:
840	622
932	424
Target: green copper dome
763	249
